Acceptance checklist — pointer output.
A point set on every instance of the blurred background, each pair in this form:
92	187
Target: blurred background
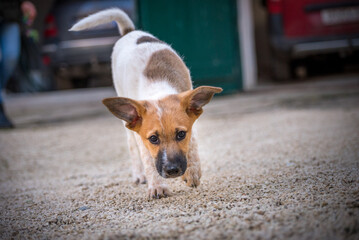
235	44
239	45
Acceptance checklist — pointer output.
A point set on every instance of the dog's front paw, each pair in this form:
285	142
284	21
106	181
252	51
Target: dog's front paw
158	191
139	178
192	177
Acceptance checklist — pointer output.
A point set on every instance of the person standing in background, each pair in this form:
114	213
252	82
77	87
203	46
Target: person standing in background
10	18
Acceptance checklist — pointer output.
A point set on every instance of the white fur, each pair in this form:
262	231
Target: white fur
109	15
159	111
129	59
164	160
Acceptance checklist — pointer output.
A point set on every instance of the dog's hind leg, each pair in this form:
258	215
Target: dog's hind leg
137	166
193	173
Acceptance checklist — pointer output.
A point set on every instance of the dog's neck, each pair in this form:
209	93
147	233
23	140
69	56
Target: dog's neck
157	90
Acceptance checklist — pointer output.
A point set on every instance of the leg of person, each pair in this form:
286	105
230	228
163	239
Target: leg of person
9	56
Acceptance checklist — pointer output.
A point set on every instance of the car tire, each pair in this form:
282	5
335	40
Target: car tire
281	69
80	82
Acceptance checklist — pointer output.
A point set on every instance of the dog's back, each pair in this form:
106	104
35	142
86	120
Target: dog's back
143	67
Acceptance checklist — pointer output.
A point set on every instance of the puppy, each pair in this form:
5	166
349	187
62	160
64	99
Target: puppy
157	103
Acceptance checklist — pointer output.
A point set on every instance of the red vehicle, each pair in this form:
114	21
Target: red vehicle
303	28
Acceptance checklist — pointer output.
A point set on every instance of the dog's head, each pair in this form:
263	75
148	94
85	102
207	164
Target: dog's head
164	125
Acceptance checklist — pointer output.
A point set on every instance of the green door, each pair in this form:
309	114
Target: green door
203	32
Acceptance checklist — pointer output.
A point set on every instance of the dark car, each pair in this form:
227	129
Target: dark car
76	56
300	29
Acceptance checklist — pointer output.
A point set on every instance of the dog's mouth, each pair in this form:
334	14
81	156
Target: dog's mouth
165	175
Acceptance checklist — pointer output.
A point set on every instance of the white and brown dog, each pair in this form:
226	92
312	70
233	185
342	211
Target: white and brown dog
157	103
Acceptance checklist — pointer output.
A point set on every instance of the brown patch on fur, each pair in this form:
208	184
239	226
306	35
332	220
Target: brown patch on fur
173	118
166	65
195	99
148	39
173	113
127	30
126	109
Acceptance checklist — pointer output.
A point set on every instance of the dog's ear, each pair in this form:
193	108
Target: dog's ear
194	100
126	109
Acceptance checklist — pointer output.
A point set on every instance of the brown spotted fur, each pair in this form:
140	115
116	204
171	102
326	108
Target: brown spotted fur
148	39
166	65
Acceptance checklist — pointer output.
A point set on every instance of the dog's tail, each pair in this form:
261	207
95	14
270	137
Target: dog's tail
124	23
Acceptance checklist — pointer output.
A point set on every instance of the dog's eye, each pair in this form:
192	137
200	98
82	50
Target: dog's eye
154	139
180	135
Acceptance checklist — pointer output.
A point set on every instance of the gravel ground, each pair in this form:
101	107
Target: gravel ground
276	165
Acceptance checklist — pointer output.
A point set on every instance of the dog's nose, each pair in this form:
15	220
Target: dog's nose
172	170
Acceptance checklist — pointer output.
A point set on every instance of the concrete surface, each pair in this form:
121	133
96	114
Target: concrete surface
278	163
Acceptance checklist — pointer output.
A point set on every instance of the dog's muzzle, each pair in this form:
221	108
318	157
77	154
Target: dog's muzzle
171	166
